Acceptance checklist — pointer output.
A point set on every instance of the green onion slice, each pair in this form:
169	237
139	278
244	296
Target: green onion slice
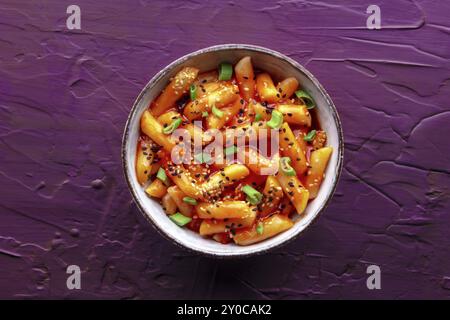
217	112
171	127
260	228
310	136
161	175
285	166
258	117
230	150
225	71
310	104
190	200
253	196
202	157
179	219
193	92
276	121
205	114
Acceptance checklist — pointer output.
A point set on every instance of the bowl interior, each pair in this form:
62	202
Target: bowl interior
279	67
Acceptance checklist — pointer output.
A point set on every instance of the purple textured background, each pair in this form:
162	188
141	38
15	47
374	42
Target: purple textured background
65	96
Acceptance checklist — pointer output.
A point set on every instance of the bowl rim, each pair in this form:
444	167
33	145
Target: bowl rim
227	47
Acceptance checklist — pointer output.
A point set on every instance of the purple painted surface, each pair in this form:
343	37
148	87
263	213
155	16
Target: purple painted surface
65	96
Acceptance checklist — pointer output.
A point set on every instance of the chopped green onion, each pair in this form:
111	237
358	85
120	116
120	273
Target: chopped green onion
205	114
217	112
193	92
260	228
310	104
225	71
310	136
253	196
161	175
202	157
179	219
258	117
171	127
285	166
230	150
276	121
190	200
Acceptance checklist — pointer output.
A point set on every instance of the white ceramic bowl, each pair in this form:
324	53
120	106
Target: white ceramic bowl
280	67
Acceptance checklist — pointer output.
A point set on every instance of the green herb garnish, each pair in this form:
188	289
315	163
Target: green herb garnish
217	112
260	228
310	136
253	196
285	166
193	92
190	200
276	121
310	104
161	175
230	150
171	127
179	219
202	157
225	71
